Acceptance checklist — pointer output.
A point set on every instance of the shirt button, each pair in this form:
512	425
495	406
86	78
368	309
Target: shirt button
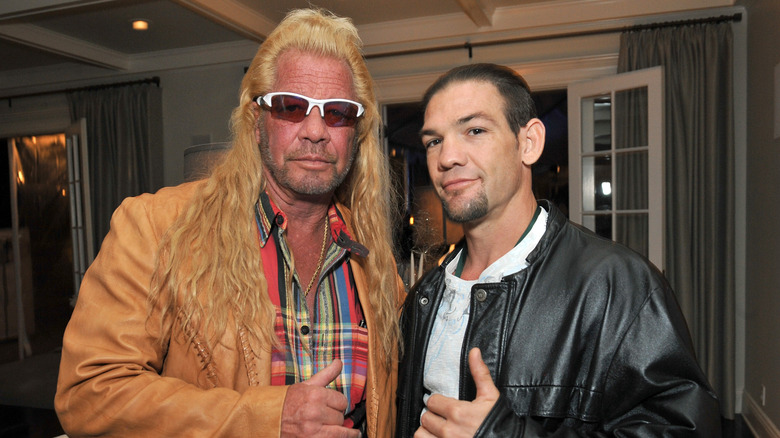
481	294
279	220
305	330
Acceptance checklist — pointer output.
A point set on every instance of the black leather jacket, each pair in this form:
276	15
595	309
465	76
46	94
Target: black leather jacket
587	341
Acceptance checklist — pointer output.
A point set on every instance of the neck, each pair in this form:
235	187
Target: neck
489	239
305	213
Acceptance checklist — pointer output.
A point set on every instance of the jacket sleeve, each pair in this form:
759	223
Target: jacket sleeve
111	374
654	386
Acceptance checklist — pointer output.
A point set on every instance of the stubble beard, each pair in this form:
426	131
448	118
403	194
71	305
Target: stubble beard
308	184
470	210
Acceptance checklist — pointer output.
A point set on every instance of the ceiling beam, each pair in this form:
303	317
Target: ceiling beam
529	19
479	11
234	15
63	45
22	8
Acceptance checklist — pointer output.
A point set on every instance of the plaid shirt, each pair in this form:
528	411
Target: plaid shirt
310	339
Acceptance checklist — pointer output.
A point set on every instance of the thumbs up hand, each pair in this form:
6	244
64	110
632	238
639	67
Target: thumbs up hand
310	409
457	418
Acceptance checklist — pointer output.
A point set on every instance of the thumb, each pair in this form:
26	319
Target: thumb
481	375
326	375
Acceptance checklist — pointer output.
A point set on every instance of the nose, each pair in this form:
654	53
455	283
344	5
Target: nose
450	154
313	127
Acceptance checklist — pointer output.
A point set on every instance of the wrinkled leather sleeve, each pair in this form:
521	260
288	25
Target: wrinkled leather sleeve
111	375
654	386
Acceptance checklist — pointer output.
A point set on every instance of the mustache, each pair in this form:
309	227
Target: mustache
311	150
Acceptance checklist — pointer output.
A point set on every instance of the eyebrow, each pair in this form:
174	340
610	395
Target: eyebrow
461	121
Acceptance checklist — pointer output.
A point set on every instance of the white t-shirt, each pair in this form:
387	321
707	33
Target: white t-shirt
442	361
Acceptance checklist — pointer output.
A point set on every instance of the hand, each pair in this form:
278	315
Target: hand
457	418
310	409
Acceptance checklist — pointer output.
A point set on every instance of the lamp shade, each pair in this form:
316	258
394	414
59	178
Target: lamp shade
200	159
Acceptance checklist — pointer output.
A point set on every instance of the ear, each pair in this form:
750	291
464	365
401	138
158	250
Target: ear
531	140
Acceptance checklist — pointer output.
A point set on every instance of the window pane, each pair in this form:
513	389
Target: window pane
601	224
596	183
596	124
602	123
631	182
631	230
631	118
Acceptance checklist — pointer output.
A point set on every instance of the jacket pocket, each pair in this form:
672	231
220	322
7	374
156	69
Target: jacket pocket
554	402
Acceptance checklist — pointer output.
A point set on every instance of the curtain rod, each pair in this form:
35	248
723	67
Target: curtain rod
153	80
737	17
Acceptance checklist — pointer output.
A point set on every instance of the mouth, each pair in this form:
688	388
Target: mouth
312	163
456	184
313	159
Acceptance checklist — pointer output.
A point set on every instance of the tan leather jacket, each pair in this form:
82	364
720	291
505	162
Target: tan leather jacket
116	379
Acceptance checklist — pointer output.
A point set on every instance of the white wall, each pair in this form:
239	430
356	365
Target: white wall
762	329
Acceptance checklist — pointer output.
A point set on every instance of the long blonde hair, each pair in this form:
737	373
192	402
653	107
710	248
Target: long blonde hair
208	274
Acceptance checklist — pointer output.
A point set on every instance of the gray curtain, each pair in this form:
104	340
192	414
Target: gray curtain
119	136
630	191
699	157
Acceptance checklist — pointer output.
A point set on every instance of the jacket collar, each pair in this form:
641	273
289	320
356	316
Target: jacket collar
555	222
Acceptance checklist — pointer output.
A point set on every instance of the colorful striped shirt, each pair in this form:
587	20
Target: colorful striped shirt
310	339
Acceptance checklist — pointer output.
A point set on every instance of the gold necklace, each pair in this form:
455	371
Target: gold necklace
322	255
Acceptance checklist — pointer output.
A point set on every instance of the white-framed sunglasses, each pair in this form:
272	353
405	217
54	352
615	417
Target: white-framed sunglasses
295	107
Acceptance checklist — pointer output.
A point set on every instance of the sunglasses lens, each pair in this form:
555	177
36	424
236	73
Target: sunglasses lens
290	108
340	114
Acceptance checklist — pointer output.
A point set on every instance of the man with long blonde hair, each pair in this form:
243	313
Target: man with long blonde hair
263	300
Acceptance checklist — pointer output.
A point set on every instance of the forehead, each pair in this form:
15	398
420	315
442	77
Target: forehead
464	99
313	75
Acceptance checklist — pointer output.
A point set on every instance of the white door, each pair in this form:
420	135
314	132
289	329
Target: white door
80	206
616	171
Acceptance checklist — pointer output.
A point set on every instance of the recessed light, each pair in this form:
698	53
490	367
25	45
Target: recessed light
140	24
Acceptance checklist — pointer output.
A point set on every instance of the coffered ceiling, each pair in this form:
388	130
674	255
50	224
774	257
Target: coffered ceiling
94	38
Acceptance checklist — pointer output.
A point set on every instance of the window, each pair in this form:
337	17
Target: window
616	159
